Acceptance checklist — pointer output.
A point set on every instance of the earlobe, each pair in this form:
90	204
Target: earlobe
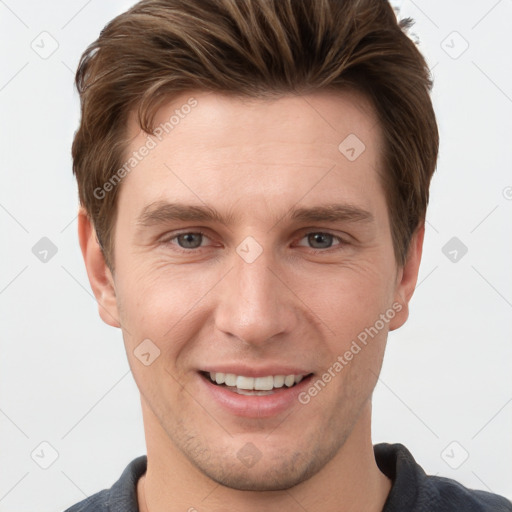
407	278
100	277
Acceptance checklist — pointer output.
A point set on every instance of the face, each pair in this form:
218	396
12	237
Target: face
294	274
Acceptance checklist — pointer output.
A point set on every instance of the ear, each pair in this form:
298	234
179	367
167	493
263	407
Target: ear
100	277
406	279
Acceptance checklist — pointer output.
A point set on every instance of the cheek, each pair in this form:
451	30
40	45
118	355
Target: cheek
356	310
161	304
348	296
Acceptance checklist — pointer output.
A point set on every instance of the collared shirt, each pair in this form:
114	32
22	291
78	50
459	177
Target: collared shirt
412	490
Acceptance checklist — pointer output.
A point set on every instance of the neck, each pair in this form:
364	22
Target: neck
349	482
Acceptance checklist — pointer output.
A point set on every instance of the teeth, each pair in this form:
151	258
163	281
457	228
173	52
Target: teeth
244	382
230	379
289	380
279	381
264	383
255	383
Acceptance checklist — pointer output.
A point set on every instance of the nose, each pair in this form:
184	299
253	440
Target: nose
254	301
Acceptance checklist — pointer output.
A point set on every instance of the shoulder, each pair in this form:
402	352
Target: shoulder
413	489
96	503
451	493
121	497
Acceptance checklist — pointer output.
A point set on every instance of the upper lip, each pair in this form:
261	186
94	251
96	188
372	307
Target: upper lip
254	370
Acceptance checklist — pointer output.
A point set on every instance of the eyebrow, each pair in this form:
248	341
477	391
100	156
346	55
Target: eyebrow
162	212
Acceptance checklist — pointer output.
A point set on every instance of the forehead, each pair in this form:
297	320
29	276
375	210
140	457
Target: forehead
326	145
325	117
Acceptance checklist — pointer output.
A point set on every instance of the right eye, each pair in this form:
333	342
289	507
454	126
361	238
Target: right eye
188	240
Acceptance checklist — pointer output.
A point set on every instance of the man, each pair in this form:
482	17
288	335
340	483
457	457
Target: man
253	179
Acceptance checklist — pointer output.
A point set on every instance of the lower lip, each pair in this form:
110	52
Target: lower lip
255	406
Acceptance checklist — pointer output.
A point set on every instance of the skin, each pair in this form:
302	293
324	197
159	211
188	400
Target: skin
257	159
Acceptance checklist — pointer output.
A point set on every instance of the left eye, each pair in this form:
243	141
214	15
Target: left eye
318	240
325	240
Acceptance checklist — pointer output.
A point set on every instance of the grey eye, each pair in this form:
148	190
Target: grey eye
188	240
324	239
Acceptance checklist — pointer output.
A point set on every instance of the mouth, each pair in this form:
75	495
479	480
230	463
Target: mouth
254	386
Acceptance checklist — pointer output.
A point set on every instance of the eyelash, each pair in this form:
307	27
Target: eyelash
342	242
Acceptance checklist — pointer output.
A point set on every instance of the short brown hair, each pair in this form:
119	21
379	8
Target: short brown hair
256	48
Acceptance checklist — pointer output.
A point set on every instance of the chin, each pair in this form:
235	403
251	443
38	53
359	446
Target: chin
274	470
263	479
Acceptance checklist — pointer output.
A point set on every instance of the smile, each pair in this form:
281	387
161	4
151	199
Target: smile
257	386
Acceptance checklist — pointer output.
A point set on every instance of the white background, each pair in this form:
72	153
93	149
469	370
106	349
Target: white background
64	376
